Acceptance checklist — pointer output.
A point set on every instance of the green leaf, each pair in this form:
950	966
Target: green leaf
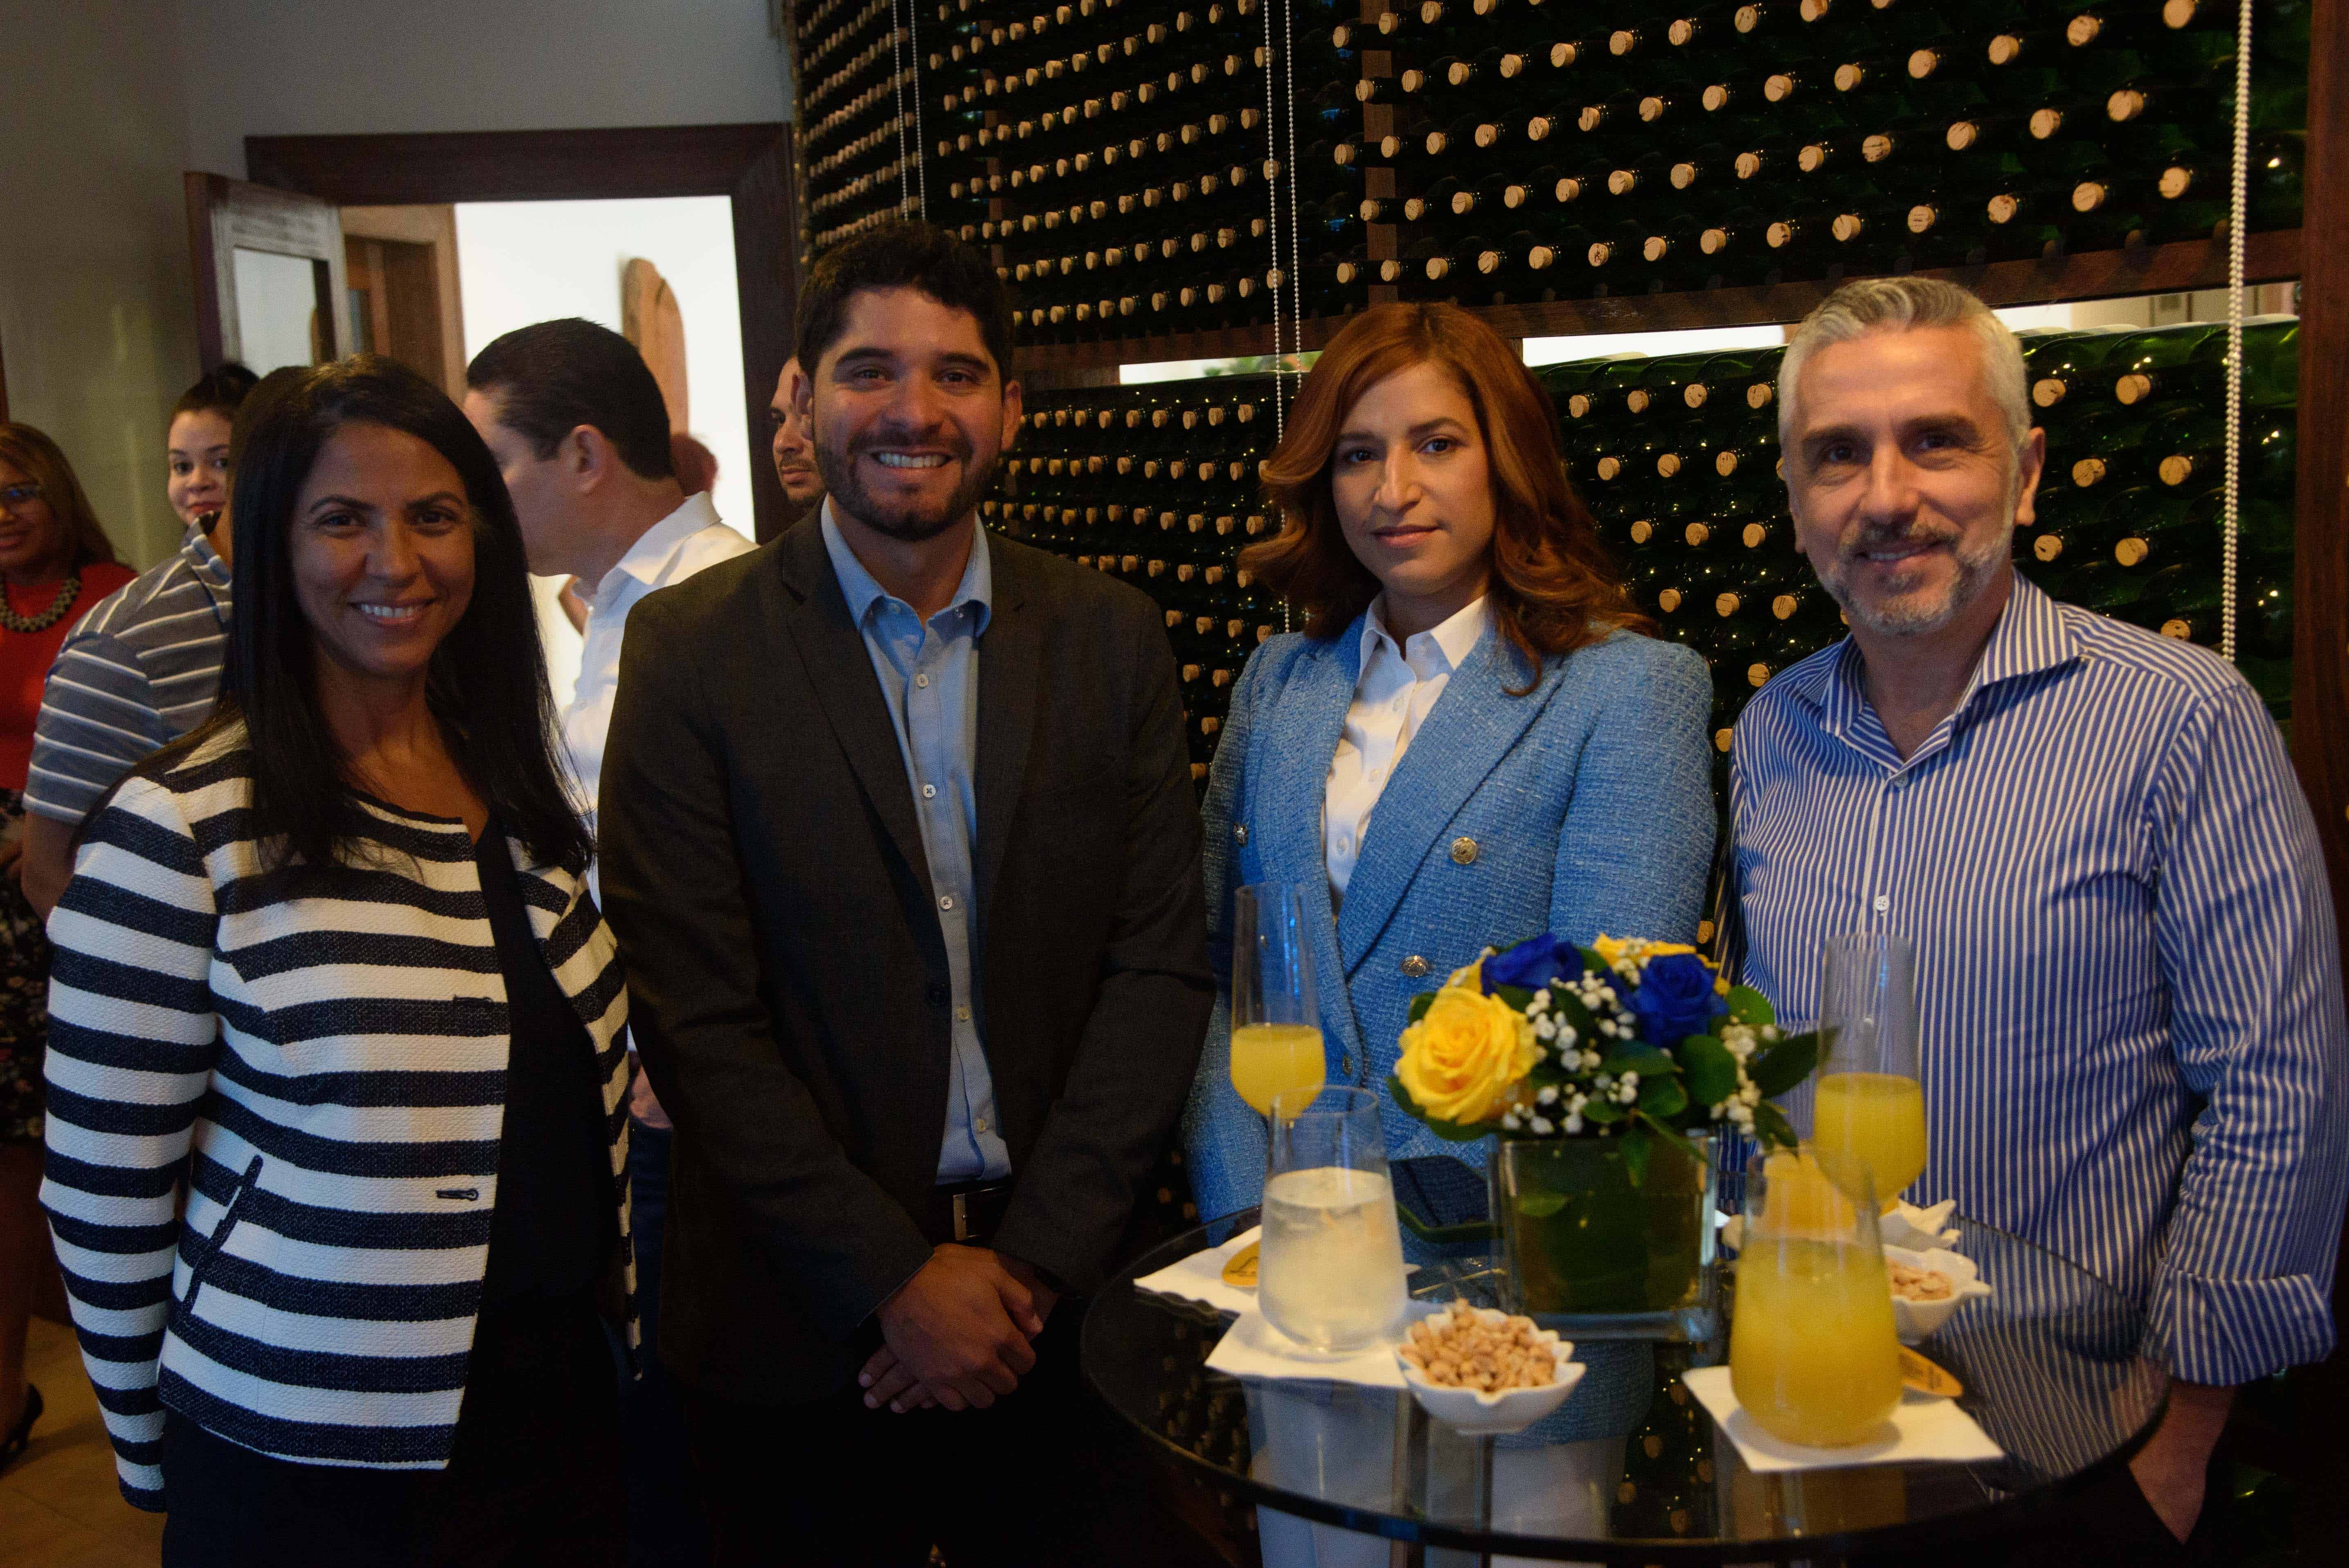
1593	964
1637	1146
1778	1067
1570	1008
1451	1132
1516	996
1669	1136
1747	1005
1635	1057
1603	1113
1771	1126
1420	1003
1540	1205
1662	1096
1710	1069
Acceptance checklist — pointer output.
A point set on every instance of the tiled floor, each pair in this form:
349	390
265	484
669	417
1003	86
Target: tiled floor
58	1505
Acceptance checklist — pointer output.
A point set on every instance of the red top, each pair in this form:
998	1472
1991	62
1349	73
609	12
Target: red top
26	658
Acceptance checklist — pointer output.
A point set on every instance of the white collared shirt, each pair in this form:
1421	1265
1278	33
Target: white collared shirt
1393	697
671	550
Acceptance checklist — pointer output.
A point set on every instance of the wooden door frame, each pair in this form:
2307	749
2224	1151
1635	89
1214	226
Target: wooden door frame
749	164
227	215
434	228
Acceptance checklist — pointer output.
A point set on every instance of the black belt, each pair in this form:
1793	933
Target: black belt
966	1210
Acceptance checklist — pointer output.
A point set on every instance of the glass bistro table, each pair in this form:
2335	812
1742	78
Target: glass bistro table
2049	1361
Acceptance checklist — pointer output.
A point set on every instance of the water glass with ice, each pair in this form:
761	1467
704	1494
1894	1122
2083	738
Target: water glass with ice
1330	1273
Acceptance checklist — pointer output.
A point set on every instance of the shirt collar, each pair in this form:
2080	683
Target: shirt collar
1436	651
859	588
648	560
2031	636
204	560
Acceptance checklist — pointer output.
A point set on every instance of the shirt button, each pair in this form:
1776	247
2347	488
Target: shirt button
1463	851
1413	966
929	791
921	680
1239	832
963	1013
1883	902
981	1124
945	901
1346	1065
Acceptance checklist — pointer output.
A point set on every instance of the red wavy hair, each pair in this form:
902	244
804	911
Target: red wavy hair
1554	587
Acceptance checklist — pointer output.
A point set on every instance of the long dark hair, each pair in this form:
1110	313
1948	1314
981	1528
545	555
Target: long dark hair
45	464
1553	588
486	683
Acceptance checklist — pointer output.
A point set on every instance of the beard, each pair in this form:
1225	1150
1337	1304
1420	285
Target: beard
1915	612
911	521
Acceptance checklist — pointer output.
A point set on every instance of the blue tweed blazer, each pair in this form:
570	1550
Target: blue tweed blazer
1582	806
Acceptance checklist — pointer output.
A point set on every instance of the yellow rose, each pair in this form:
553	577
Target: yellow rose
1462	1060
1468	977
1612	950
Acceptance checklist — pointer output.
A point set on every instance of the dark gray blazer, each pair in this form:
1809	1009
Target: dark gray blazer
763	869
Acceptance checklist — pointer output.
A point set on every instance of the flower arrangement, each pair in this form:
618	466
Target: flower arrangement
1627	1039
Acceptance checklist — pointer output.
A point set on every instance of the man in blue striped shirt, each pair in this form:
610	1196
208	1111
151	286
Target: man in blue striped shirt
2129	990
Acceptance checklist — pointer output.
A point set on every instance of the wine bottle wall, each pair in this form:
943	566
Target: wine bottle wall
1556	150
1678	460
856	163
1114	153
1159	486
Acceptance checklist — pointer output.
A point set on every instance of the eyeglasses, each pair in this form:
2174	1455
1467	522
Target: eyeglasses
17	495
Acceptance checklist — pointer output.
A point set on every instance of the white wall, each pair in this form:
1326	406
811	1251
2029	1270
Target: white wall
97	305
308	68
520	262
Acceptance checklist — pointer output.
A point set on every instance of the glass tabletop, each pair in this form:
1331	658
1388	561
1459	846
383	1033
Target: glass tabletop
1631	1469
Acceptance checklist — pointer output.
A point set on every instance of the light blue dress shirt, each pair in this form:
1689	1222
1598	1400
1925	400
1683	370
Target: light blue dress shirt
929	676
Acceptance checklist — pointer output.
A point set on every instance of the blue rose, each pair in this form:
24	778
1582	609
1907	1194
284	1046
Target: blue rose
1675	999
1533	963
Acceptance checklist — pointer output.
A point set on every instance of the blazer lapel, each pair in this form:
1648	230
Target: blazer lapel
1010	663
840	669
1311	715
1469	731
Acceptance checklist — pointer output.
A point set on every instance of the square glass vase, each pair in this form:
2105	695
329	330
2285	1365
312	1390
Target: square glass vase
1590	1252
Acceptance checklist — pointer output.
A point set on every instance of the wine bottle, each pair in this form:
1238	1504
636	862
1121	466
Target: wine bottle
2189	364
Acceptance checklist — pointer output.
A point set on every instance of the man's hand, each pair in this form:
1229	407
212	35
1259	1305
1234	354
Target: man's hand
2172	1468
959	1329
1043	1294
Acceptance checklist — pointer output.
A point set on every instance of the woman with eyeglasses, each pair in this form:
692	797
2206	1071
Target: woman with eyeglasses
54	564
330	960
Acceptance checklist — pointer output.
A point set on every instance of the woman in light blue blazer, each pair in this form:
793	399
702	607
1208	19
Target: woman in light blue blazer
1470	742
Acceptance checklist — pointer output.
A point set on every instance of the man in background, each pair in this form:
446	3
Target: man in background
794	452
2130	998
581	433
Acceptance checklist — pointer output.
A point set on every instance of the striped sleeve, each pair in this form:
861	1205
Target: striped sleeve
2245	925
97	720
132	1041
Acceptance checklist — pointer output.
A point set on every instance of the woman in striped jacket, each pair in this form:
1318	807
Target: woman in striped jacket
332	960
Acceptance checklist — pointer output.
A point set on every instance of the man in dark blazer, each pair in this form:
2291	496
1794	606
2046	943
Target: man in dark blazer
899	840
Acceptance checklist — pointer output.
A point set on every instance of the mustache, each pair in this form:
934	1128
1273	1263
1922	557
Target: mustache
1885	538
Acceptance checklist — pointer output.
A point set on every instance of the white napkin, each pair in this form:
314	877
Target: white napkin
1919	1229
1253	1348
1200	1278
1923	1428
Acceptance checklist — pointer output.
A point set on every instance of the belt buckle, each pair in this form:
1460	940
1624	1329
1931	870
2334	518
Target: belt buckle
962	1216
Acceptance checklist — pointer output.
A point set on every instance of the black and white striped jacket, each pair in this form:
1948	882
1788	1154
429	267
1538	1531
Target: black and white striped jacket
337	1064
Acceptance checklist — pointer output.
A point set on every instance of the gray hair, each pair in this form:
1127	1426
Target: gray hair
1902	304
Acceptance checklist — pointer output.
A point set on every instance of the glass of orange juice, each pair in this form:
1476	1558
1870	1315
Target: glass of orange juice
1814	1357
1276	1021
1869	1107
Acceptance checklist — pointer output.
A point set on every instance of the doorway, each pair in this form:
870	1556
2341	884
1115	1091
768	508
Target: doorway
291	215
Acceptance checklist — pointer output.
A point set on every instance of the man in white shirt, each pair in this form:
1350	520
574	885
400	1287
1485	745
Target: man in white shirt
581	434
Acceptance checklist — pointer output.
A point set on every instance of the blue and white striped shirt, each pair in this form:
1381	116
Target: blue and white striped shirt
2128	982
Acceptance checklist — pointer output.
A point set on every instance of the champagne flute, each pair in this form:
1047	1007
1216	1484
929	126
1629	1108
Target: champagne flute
1276	1023
1869	1107
1814	1354
1330	1273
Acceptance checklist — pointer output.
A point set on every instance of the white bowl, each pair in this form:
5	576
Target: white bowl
1479	1414
1922	1319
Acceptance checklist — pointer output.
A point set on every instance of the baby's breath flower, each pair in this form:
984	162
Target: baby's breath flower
1543	1127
